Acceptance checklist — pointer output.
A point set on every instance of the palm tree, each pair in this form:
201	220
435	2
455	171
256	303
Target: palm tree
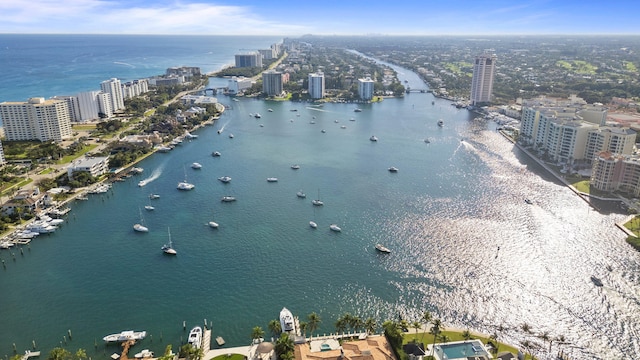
370	326
341	325
303	327
436	328
545	337
284	345
466	335
356	323
417	326
494	338
275	328
257	333
444	338
314	321
525	327
426	319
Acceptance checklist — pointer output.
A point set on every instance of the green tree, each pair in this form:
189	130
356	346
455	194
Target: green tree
314	321
59	353
168	354
393	333
417	326
275	328
303	327
466	335
284	347
436	328
370	325
257	333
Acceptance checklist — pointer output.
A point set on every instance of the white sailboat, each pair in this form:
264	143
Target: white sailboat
140	226
168	247
184	185
317	202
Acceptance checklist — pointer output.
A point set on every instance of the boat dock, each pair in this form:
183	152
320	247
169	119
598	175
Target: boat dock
206	340
29	354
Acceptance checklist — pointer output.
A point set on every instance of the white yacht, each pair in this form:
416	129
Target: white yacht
213	224
228	199
295	167
195	337
373	138
196	165
313	224
335	228
140	228
142	183
272	179
381	248
301	194
184	185
286	320
257	115
393	169
41	227
215	154
149	208
225	179
125	336
154	196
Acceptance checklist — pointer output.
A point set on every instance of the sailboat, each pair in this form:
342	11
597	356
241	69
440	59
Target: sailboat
317	202
140	226
168	247
184	185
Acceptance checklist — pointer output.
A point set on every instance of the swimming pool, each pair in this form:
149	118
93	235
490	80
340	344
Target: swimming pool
460	350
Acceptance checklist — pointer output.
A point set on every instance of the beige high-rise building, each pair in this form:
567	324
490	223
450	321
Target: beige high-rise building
36	119
484	68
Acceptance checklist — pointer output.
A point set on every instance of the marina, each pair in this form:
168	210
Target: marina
445	192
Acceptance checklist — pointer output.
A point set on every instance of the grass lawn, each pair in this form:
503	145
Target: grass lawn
46	171
83	127
232	357
427	339
69	158
582	186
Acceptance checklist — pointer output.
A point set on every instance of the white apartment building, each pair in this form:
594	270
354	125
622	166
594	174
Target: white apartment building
88	105
272	83
74	106
134	88
2	159
612	172
114	89
36	119
95	166
104	104
484	68
237	84
365	88
316	85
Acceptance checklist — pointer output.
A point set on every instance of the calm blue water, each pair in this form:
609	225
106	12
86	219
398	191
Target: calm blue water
465	245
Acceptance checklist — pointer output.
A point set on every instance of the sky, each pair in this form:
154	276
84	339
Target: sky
320	17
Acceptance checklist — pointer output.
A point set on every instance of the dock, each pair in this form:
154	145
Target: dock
206	340
29	354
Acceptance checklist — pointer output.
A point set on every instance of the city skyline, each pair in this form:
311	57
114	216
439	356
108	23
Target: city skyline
289	18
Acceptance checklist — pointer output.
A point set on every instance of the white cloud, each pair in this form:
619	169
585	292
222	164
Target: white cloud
126	17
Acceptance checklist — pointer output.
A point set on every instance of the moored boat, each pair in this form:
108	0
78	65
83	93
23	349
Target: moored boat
383	249
373	138
313	224
125	336
286	320
393	169
228	199
196	165
335	228
225	179
168	247
195	337
272	179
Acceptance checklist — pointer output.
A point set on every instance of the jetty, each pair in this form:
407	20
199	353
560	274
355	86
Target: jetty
29	354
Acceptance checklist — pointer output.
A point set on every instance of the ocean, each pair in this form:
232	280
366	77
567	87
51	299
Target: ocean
464	243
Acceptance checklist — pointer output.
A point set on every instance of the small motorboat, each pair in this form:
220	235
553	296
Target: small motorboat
230	136
196	165
149	208
393	169
215	154
334	227
373	138
225	179
313	224
213	224
272	179
528	201
295	167
228	199
301	194
440	123
596	281
381	248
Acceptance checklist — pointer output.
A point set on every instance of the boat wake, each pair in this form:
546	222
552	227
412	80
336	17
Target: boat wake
222	128
125	64
154	175
317	109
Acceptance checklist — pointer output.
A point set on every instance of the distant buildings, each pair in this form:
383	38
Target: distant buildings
114	89
272	83
36	119
316	85
88	106
570	132
365	88
249	60
484	68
